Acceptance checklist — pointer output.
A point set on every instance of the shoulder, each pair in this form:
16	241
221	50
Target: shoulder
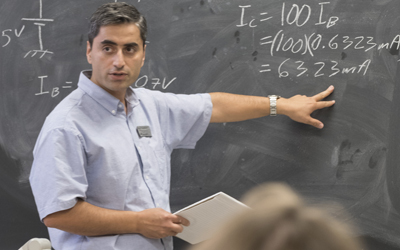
64	111
143	93
60	124
148	97
170	99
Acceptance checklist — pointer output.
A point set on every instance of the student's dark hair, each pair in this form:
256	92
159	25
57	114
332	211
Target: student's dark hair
113	14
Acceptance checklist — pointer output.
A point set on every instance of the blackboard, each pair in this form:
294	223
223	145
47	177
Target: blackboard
249	47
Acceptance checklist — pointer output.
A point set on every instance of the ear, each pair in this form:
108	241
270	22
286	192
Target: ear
144	54
88	52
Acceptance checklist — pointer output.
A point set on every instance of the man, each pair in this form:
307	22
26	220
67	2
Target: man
101	170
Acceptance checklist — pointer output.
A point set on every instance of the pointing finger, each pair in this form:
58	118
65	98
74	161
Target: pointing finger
323	104
324	94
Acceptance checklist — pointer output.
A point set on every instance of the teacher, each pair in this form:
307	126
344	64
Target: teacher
101	170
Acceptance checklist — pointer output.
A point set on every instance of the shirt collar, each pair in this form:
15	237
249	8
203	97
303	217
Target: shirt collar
131	97
101	96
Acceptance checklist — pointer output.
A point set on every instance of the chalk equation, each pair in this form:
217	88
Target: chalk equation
313	42
142	81
293	16
298	16
322	68
55	91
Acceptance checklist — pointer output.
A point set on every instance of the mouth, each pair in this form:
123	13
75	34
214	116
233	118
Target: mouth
118	76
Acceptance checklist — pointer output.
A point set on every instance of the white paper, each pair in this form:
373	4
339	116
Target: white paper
207	215
36	244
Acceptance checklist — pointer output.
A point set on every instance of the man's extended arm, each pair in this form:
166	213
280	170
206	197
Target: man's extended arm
89	220
231	108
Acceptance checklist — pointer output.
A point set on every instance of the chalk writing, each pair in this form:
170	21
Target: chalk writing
323	68
308	43
144	80
55	91
41	86
295	15
5	34
39	23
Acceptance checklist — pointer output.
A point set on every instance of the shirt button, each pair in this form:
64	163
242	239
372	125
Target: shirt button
120	105
113	112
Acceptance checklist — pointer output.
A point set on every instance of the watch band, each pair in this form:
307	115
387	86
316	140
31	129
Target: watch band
272	104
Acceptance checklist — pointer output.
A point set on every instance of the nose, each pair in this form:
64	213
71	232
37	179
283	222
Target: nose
119	60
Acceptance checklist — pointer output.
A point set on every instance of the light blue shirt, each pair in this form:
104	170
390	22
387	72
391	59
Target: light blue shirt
89	148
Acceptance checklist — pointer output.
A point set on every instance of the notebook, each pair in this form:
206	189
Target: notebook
207	215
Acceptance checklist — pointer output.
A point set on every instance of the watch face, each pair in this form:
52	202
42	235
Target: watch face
274	96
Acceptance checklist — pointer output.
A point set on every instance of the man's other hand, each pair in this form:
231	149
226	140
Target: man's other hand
157	223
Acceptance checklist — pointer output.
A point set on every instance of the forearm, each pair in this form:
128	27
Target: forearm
233	108
89	220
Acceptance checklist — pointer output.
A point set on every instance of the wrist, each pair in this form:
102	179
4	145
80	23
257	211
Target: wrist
135	222
280	106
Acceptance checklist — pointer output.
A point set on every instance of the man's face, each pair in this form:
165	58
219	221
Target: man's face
117	55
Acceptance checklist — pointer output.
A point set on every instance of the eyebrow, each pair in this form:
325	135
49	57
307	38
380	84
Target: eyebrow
133	44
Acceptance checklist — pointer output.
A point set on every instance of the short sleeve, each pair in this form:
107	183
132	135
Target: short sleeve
58	175
184	118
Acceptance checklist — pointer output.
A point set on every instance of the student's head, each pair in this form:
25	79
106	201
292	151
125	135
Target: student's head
116	48
280	220
114	14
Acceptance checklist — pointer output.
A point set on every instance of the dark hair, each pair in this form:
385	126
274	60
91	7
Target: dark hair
116	13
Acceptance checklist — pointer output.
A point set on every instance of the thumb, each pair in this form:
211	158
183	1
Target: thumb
316	123
181	220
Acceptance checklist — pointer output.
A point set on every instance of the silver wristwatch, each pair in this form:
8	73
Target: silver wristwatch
272	104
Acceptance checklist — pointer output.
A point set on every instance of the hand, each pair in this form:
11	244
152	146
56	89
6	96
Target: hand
157	223
300	107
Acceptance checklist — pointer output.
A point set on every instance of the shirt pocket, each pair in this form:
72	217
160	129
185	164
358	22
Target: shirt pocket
158	160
